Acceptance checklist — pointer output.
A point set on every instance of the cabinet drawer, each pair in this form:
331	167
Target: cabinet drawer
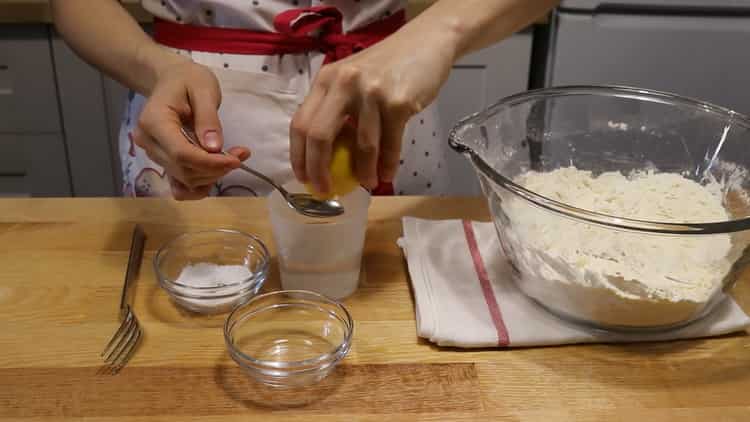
33	165
28	98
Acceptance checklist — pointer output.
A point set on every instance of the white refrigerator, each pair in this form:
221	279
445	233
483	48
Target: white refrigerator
696	48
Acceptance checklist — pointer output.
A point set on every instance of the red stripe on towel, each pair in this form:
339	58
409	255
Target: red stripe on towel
484	281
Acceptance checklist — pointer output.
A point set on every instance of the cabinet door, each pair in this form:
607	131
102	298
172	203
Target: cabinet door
87	136
28	101
33	165
116	99
476	82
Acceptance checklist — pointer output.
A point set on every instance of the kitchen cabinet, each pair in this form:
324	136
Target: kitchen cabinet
28	101
33	156
33	164
476	82
83	104
115	100
694	48
58	118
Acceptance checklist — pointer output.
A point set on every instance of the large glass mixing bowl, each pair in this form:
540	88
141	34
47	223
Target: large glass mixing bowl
615	270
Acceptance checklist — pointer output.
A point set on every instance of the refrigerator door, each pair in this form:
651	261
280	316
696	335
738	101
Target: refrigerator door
645	5
703	57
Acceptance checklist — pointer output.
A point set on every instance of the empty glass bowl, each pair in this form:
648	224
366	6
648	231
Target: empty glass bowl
648	273
289	338
212	271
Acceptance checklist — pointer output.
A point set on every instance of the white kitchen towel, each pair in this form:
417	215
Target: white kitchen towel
465	296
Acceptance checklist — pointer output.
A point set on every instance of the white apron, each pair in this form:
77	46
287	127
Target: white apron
259	97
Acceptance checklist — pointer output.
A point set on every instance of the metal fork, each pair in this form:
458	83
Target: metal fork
122	346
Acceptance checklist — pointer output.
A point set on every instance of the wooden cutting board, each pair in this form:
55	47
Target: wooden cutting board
62	264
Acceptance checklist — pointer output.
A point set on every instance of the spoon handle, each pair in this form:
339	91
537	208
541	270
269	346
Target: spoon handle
193	139
261	176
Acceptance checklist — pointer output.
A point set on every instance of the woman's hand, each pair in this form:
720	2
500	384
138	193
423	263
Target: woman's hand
178	90
384	85
380	88
186	93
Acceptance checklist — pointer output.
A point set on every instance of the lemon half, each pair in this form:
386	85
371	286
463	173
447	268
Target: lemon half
341	168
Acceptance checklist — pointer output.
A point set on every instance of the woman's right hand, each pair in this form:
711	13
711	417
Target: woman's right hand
186	93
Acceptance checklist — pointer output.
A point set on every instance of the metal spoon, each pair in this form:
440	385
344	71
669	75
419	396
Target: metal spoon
303	203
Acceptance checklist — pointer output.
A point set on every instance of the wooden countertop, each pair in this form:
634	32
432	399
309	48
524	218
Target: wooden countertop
38	11
61	269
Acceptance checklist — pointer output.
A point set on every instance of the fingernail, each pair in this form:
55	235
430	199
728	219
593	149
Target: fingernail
211	139
371	182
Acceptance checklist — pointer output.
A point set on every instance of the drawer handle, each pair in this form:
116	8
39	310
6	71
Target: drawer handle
6	88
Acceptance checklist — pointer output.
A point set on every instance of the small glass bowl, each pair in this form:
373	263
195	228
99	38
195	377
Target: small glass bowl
289	338
218	247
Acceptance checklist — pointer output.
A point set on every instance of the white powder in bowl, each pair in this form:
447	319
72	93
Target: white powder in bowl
615	277
206	275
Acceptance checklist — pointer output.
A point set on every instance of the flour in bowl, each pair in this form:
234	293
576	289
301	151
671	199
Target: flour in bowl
617	277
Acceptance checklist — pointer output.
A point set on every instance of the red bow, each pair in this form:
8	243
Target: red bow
321	28
299	31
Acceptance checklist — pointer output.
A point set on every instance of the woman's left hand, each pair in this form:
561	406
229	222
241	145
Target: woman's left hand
380	88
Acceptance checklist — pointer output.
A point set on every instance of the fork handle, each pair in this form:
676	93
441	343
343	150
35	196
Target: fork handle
134	263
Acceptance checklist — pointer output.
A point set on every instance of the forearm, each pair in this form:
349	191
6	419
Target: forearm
106	36
469	25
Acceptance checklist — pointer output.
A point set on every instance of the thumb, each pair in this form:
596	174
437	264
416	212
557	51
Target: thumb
204	103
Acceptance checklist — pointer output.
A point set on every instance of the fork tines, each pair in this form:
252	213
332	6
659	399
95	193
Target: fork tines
123	344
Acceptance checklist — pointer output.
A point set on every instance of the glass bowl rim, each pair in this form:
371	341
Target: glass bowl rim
593	217
311	364
256	276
